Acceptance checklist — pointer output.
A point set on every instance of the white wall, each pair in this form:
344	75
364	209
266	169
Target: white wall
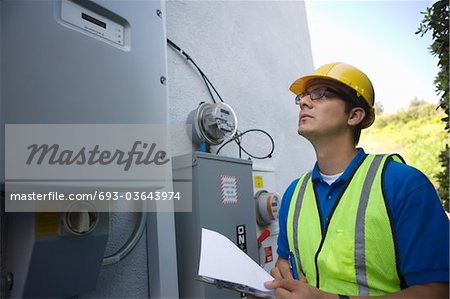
251	51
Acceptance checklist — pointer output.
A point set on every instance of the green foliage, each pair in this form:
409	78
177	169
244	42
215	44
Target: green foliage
416	134
417	102
436	20
442	177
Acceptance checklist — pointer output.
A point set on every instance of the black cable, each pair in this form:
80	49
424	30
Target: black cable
188	58
204	77
241	148
220	98
205	80
238	139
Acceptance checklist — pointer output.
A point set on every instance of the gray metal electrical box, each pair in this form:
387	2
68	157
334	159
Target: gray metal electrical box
222	200
79	62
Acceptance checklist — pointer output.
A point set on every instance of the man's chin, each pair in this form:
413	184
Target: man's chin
301	132
304	133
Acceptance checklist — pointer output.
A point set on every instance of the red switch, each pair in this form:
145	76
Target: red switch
264	235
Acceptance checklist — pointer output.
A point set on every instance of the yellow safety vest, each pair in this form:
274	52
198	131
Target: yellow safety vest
355	254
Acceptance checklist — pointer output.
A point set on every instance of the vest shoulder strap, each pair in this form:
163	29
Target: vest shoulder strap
396	157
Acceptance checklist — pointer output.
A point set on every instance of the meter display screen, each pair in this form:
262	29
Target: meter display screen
93	20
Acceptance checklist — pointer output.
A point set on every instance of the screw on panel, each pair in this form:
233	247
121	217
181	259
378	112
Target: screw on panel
159	13
163	80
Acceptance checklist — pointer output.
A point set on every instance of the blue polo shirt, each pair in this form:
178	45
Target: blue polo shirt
421	225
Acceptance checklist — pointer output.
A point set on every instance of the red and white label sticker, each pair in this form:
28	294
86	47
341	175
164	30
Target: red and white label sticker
268	254
228	189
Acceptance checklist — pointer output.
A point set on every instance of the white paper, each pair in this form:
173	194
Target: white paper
221	259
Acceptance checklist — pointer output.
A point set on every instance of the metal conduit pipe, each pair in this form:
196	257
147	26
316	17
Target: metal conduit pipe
130	243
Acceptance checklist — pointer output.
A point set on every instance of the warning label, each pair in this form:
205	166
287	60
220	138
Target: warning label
268	254
228	189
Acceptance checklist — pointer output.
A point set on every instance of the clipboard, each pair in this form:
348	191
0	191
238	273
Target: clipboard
225	265
236	287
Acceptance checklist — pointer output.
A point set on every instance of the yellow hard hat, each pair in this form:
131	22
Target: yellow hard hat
347	75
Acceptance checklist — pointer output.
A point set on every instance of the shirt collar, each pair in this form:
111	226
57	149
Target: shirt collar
348	171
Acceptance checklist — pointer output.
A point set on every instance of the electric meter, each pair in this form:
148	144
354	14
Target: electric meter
212	123
267	206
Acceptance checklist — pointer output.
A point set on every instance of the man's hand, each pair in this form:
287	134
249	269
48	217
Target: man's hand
289	288
300	289
286	287
282	269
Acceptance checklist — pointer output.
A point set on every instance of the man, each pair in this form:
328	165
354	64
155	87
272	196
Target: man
357	225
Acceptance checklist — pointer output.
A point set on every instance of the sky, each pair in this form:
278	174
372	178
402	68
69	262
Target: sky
379	38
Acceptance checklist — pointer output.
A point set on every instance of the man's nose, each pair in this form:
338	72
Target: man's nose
305	102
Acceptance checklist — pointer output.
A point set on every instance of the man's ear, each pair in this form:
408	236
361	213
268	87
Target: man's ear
356	116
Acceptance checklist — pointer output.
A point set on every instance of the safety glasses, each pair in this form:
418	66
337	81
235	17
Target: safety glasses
318	93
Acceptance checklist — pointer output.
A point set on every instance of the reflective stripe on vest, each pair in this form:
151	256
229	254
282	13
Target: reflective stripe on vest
355	253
